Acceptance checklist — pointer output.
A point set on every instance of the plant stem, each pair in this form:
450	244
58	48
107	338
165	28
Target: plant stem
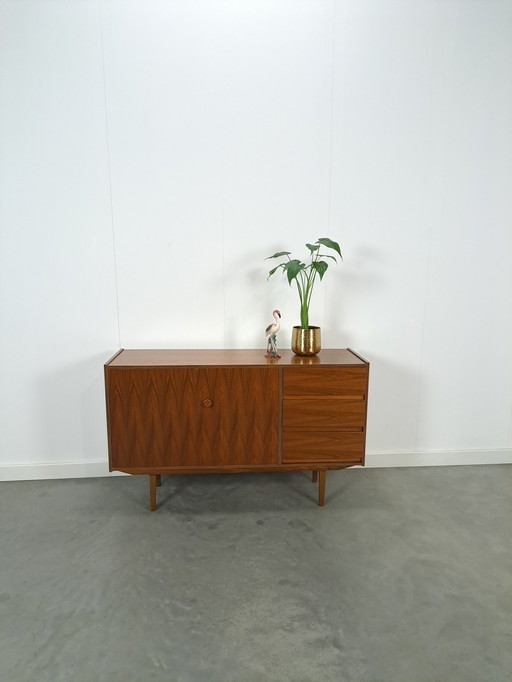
301	287
304	316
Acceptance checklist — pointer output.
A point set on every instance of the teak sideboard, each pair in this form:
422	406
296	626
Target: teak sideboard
206	411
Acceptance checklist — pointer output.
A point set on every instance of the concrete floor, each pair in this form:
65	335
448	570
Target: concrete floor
404	576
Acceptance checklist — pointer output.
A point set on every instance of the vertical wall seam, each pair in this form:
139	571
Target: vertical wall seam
223	255
112	222
509	434
430	237
422	338
331	128
509	437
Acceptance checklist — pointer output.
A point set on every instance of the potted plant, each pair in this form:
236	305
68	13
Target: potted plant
306	338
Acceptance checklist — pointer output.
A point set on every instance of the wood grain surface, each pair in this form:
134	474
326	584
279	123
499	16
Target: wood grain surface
235	357
160	417
213	411
322	446
237	469
325	413
325	381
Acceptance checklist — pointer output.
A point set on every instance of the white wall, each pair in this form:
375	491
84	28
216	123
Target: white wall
154	152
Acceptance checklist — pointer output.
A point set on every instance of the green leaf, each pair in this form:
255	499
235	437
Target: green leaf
325	255
313	247
280	253
293	267
330	244
274	269
292	263
321	267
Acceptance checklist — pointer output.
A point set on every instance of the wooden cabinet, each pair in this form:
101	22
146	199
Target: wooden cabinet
172	411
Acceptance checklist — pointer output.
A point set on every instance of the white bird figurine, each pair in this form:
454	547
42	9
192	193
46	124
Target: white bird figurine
271	332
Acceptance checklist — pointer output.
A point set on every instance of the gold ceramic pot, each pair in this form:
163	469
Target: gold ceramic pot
306	341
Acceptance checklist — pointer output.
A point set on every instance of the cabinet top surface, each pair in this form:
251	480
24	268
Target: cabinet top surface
230	358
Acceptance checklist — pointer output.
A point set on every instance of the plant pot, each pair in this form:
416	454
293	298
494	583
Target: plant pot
306	341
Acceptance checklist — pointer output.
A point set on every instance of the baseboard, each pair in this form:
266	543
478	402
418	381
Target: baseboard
438	458
34	472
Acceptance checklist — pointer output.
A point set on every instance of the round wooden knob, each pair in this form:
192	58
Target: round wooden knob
207	402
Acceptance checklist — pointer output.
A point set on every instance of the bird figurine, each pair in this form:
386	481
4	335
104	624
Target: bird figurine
270	333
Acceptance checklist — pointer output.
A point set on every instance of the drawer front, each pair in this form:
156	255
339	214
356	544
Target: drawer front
308	381
337	414
327	446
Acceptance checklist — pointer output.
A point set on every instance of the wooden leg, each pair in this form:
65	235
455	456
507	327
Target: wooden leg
152	492
314	476
321	488
158	480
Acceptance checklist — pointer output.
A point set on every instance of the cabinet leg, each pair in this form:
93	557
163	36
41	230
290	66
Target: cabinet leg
314	476
321	487
152	492
158	480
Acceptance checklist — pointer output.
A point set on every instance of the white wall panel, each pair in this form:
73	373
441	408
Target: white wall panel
276	106
466	366
385	76
232	130
419	114
57	288
161	80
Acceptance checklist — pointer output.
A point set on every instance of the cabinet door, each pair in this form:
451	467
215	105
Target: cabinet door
171	417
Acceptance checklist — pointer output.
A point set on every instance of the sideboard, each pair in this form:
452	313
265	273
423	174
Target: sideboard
206	411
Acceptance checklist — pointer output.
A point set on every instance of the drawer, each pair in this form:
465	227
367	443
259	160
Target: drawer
310	381
329	446
337	414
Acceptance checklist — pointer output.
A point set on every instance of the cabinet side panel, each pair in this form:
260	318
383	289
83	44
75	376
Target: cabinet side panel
106	374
